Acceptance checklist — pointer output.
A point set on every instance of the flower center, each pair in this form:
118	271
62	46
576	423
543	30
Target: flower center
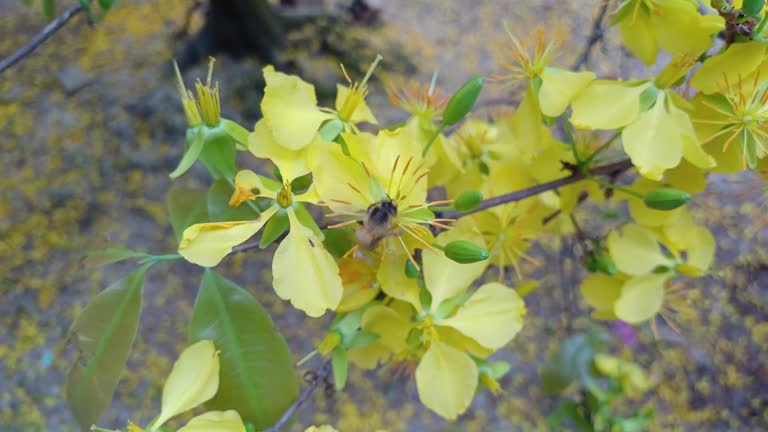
285	197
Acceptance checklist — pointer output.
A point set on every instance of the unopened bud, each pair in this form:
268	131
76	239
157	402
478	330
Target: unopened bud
468	200
465	252
410	270
462	101
666	199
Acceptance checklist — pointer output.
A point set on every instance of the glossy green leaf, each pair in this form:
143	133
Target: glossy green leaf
340	367
106	4
186	206
111	255
194	146
219	154
330	130
219	209
257	378
275	227
104	333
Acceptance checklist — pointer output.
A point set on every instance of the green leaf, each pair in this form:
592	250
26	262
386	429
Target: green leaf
330	130
219	209
102	257
86	5
338	241
219	154
104	333
339	365
257	376
186	206
106	4
49	8
194	146
275	227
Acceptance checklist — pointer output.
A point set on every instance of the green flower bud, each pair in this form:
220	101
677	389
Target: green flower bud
666	199
468	200
410	270
605	264
465	252
462	101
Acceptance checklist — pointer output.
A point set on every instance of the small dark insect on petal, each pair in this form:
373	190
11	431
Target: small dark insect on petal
311	243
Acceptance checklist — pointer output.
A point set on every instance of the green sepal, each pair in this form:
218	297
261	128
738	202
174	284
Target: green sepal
752	7
330	130
648	98
236	132
302	183
410	270
361	339
274	228
307	220
219	154
340	367
49	9
193	148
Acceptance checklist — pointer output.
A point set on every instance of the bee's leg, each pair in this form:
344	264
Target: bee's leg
352	251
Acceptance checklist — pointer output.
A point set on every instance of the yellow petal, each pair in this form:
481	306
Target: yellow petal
738	60
392	277
206	244
370	356
304	272
635	250
358	277
607	105
687	177
653	142
641	298
451	336
492	316
333	172
323	428
193	381
692	150
601	291
446	379
559	87
637	35
388	324
697	242
361	113
215	421
262	144
444	278
679	28
290	109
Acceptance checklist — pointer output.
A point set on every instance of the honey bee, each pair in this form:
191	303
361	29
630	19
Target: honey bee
377	224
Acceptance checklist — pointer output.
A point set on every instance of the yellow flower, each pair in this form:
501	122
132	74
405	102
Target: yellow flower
656	139
383	174
633	378
738	65
206	108
675	26
553	88
303	271
350	101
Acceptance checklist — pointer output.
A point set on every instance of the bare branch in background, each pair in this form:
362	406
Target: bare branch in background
41	37
315	381
594	37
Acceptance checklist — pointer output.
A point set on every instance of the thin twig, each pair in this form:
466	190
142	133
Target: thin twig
594	37
41	37
320	378
522	194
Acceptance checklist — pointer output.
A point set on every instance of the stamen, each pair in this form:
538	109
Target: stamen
211	61
354	188
341	224
431	91
392	175
370	70
366	169
407	252
341	201
346	75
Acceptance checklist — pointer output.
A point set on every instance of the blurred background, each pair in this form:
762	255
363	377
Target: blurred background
91	125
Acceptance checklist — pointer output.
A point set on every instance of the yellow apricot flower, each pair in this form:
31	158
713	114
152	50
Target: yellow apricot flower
676	26
385	169
193	380
738	65
553	88
303	271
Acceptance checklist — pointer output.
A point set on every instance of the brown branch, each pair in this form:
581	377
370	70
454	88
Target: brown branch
594	37
319	378
41	37
607	169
